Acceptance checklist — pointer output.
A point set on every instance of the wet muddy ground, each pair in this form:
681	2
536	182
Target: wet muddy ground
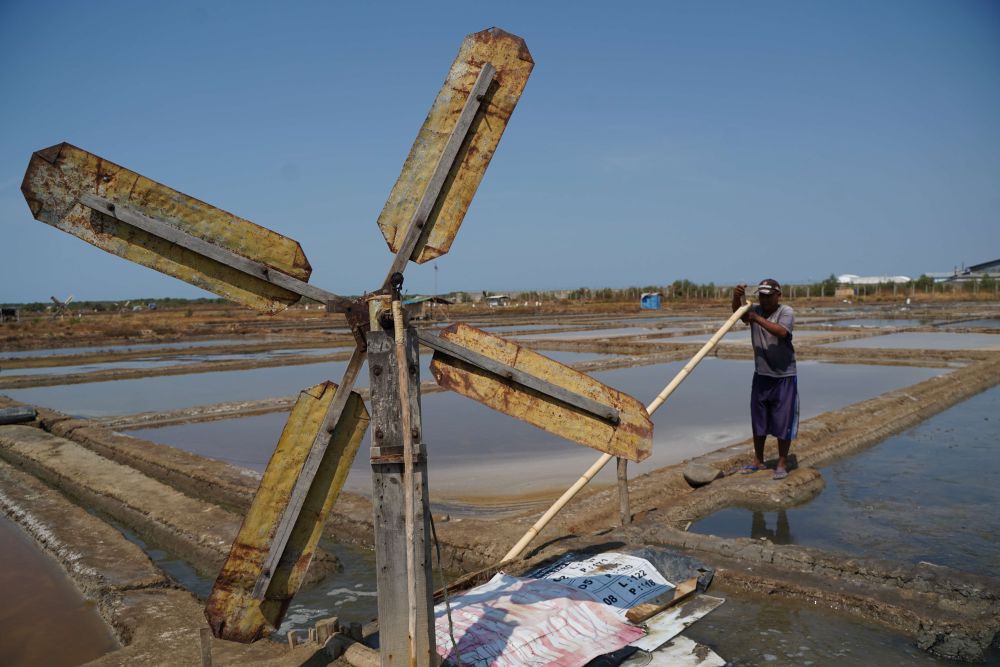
919	496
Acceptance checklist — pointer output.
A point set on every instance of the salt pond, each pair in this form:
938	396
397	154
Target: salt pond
739	336
749	630
928	494
876	323
600	333
477	453
131	347
173	392
917	340
44	618
992	323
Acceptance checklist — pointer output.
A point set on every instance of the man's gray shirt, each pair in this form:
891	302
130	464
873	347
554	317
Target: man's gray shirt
773	356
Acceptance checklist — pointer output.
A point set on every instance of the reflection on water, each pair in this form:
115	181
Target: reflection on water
925	495
44	618
598	333
781	534
475	451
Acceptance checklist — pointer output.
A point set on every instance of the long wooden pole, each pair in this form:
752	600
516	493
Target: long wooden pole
399	330
661	398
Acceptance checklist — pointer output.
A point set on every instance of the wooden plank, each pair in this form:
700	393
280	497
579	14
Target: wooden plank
624	510
631	438
172	234
232	611
388	499
509	55
304	482
666	625
507	372
641	612
417	227
57	176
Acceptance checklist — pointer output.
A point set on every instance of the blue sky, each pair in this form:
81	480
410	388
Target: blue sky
721	141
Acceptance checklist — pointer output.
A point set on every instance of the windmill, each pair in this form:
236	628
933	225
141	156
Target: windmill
129	215
62	307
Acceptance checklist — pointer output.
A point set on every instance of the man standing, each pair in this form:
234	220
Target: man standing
774	396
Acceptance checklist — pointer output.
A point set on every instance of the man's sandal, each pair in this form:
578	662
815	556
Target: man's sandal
780	473
751	469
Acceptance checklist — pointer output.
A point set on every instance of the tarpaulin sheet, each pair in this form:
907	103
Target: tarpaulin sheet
615	579
515	621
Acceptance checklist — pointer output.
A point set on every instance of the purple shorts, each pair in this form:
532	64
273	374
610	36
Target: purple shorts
774	406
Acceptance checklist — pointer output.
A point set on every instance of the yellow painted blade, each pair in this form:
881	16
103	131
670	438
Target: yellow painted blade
232	612
57	176
509	55
631	438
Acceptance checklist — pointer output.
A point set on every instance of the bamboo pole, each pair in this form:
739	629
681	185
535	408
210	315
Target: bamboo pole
661	398
404	400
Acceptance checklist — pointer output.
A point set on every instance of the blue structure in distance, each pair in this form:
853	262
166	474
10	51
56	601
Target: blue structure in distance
649	301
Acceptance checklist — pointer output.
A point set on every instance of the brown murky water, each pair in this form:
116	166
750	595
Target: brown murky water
44	618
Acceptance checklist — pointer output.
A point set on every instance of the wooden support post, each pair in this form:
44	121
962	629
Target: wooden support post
205	636
388	495
626	512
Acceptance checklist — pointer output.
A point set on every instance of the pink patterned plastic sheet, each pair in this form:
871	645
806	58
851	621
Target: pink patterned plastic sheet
512	621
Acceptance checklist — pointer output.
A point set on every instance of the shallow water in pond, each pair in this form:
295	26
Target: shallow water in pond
928	494
160	362
918	340
751	630
992	323
173	392
477	452
350	594
44	618
736	336
599	333
876	323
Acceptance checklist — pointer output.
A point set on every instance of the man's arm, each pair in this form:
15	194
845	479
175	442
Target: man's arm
772	328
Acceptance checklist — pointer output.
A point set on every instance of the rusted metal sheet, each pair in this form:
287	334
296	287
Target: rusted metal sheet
631	437
57	176
232	611
509	55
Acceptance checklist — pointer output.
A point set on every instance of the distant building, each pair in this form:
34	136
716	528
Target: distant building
495	300
851	279
423	307
650	301
974	272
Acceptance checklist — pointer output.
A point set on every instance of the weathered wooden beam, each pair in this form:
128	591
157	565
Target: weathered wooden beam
173	234
57	176
624	510
388	498
303	483
509	55
233	610
508	372
417	227
630	437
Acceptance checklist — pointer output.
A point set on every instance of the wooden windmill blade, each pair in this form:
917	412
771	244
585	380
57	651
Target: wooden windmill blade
439	201
533	388
235	610
131	216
